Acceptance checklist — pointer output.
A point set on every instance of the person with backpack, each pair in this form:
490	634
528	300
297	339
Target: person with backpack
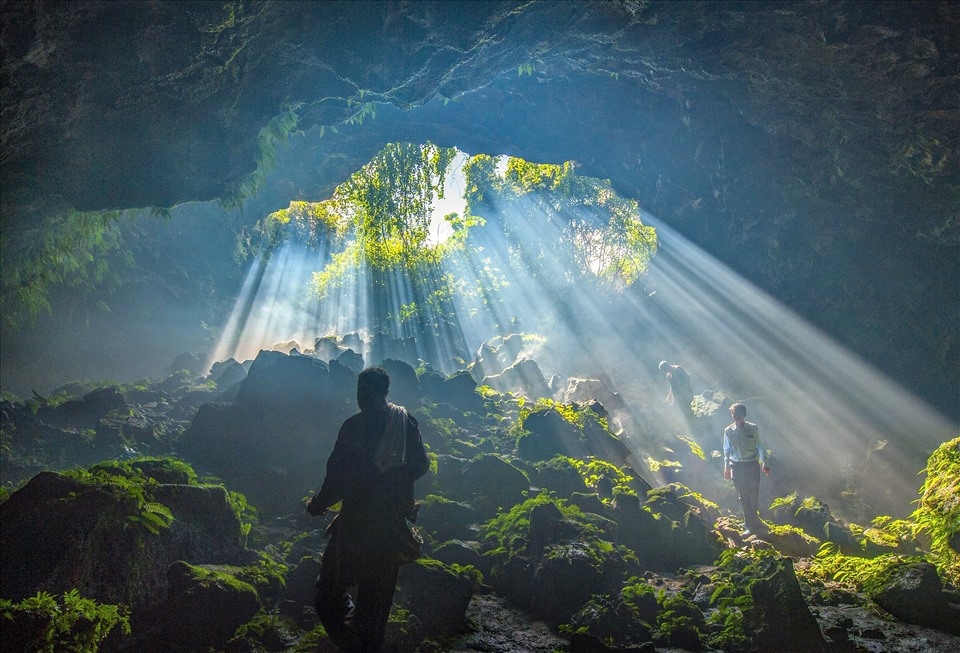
378	455
680	393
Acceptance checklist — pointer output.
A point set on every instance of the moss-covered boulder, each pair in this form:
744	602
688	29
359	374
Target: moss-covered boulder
488	483
550	558
914	593
203	609
437	594
111	533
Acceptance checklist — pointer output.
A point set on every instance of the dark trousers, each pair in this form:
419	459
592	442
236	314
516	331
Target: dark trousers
355	623
746	478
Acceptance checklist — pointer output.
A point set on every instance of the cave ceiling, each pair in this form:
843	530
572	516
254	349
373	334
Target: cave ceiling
811	145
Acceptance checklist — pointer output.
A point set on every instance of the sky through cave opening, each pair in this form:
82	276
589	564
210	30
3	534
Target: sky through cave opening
597	287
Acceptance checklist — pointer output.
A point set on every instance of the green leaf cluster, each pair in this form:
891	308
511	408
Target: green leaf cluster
48	624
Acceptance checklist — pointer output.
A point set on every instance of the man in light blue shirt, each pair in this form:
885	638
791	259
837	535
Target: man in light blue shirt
744	456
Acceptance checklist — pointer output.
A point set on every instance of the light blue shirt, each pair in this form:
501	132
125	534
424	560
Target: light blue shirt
743	445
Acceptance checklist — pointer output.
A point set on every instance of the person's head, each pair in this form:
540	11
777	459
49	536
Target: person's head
738	411
664	366
373	384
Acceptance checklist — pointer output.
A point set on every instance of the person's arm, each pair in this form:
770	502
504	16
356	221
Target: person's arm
727	469
762	453
332	489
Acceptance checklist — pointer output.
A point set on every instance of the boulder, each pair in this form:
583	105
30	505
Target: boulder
444	520
459	390
779	617
188	361
58	533
404	385
490	484
547	435
352	360
437	595
914	593
523	377
227	373
203	610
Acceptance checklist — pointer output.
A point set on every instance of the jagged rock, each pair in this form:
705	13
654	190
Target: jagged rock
523	377
272	442
297	599
557	475
914	593
459	390
779	617
327	349
352	360
666	533
227	373
86	412
404	385
582	390
812	516
437	595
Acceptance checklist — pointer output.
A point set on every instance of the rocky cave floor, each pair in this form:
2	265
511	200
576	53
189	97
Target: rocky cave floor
496	627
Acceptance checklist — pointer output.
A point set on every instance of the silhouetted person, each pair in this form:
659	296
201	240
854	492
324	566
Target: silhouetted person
680	391
744	455
375	461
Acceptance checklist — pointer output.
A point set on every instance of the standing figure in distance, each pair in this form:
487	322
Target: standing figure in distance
377	457
744	456
680	391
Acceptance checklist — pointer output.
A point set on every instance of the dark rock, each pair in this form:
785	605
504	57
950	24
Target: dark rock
204	608
548	435
458	390
352	360
490	484
459	552
558	476
779	617
227	373
445	520
914	593
437	595
404	385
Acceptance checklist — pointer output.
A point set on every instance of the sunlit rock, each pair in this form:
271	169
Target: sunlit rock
523	377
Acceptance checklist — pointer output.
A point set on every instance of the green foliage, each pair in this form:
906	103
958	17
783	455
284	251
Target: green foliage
269	138
593	469
694	446
938	512
68	250
70	623
319	225
867	574
127	483
508	531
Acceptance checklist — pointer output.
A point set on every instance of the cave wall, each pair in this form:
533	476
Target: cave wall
812	146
